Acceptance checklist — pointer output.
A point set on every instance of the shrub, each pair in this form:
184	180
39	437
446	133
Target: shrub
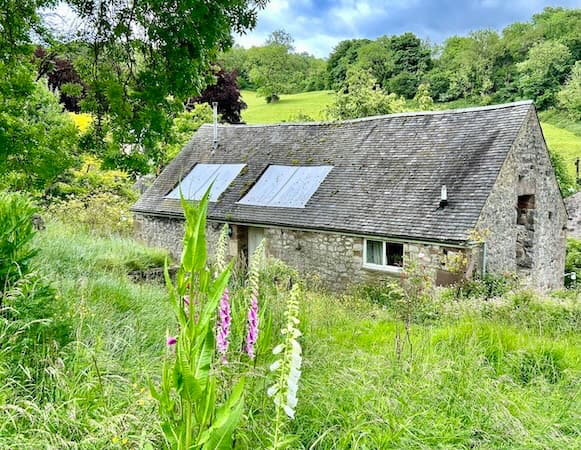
489	286
573	261
102	213
16	233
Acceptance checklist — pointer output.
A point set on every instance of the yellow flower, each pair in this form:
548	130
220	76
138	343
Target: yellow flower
115	439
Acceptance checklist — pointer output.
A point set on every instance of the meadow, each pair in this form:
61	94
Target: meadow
499	373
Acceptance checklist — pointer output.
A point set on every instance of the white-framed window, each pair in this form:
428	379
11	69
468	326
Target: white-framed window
383	255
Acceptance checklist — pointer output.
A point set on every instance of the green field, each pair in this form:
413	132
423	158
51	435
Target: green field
561	136
288	109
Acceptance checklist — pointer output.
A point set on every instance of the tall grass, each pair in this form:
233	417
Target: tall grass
504	373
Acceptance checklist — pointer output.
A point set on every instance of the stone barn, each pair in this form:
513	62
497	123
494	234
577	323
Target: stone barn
462	192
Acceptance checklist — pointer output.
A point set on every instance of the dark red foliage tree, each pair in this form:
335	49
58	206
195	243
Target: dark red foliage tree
227	93
60	72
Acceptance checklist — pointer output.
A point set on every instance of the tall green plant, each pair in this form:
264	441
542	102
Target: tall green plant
16	233
188	396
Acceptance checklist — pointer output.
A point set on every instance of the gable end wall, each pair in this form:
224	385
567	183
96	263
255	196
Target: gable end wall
526	171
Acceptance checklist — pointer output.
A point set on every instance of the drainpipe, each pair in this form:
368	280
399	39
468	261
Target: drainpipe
484	256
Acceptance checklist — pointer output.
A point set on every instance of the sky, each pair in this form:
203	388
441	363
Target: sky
318	25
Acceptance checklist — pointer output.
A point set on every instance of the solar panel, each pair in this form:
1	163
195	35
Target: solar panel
196	183
286	186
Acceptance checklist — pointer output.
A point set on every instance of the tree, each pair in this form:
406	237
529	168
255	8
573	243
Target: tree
542	73
363	98
404	84
37	141
271	67
424	97
377	58
62	76
142	60
570	95
343	56
410	54
226	93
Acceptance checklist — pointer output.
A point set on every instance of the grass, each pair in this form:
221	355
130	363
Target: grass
498	374
564	142
290	108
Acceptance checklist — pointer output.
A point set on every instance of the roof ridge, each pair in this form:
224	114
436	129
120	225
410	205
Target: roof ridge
384	116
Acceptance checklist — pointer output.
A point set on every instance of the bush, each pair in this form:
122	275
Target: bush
102	213
489	286
573	261
16	233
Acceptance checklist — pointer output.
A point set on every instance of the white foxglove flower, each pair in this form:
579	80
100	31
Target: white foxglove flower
275	365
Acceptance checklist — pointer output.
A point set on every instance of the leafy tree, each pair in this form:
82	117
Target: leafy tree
542	73
142	60
363	98
236	59
377	58
405	84
570	95
226	92
37	141
271	71
61	76
410	54
341	58
424	97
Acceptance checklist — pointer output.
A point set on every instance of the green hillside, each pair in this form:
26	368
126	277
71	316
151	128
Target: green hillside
290	108
293	108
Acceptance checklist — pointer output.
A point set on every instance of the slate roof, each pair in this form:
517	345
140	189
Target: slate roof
387	171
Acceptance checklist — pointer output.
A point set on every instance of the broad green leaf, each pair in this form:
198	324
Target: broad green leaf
219	435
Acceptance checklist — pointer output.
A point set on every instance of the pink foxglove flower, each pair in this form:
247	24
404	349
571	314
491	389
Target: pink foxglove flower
171	340
223	328
252	335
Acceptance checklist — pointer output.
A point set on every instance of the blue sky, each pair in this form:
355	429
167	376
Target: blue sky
318	25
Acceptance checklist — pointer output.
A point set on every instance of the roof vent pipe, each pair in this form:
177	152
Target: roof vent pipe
215	108
444	196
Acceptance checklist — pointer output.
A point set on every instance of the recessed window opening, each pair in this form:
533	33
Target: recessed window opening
286	186
196	183
383	255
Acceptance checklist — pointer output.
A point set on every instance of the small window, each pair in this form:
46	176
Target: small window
383	255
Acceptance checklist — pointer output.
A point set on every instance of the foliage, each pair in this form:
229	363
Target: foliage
16	234
271	70
226	93
567	182
37	140
100	212
570	94
424	97
140	61
363	97
62	77
573	261
542	73
191	417
489	286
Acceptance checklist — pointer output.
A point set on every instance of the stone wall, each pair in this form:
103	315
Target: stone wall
333	259
525	215
574	209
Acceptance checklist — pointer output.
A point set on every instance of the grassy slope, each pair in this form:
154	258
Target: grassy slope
561	136
287	108
500	378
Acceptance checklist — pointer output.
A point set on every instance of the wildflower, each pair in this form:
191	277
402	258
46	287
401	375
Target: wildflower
253	283
223	329
252	335
284	391
171	340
